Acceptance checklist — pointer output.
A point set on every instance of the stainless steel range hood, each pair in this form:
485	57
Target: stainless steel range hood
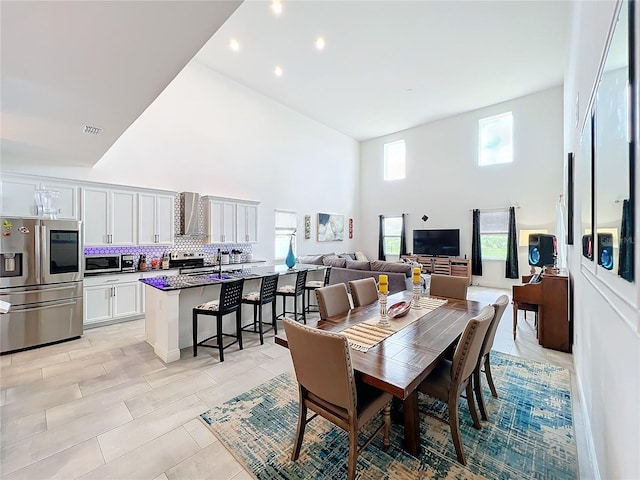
190	214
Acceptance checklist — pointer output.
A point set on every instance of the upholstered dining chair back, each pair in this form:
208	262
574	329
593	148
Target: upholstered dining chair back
448	286
499	305
485	356
469	346
363	291
332	300
327	386
334	382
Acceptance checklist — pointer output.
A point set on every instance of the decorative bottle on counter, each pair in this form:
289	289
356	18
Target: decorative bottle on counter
290	261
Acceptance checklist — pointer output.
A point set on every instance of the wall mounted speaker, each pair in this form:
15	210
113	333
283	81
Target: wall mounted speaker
605	250
541	249
587	246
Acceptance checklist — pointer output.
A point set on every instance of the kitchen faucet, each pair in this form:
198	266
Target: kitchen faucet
219	265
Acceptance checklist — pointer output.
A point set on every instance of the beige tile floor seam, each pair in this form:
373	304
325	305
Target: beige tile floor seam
131	365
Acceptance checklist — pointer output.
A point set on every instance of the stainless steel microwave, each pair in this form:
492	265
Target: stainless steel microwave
101	264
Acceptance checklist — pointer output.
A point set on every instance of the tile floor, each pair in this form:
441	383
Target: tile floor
104	406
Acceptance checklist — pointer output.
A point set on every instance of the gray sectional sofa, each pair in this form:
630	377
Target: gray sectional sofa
345	269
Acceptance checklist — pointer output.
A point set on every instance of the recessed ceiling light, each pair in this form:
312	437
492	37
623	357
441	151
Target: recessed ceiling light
320	43
276	6
234	45
278	71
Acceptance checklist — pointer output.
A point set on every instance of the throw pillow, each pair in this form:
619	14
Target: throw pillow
361	256
381	266
335	262
347	256
311	259
356	265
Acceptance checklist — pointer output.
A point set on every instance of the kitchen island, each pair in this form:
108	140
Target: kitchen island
169	302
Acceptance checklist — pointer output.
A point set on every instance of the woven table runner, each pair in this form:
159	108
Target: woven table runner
368	334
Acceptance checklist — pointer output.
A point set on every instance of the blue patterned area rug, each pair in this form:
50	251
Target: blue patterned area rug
529	433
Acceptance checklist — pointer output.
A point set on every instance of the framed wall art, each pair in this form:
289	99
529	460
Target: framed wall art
330	227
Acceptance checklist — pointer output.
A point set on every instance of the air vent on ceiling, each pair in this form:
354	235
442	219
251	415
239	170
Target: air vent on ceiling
88	129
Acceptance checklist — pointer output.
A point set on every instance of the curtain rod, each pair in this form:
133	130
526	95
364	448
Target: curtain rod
494	209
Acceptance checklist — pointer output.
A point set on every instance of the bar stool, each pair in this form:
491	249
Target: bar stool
313	285
294	291
266	295
229	302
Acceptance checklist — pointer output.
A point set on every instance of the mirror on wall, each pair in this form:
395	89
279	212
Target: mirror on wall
585	173
613	156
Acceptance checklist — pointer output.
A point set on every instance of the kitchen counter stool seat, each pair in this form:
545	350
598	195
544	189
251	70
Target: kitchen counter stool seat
229	302
266	295
313	285
294	291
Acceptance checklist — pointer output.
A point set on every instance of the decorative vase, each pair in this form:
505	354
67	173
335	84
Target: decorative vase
290	261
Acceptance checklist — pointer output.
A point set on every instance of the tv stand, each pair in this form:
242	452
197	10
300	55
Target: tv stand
459	267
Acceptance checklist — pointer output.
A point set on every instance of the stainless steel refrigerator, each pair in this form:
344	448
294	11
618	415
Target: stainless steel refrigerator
41	275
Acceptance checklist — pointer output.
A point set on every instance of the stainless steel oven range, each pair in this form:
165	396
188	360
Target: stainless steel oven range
41	277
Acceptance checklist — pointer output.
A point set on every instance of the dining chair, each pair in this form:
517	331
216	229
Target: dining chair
450	379
294	291
485	356
449	286
229	302
333	391
363	291
332	300
313	285
266	295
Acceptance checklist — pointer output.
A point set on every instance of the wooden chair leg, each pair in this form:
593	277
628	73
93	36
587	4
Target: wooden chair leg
304	313
386	417
302	423
239	326
260	325
472	405
273	317
455	429
515	319
477	387
195	334
487	372
219	336
353	453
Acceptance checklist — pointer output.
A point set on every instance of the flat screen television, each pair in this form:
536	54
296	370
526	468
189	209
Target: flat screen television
437	242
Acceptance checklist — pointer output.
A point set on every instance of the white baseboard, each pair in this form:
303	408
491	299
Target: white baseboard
591	448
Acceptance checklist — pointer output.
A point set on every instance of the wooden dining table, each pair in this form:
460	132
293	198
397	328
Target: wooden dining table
400	362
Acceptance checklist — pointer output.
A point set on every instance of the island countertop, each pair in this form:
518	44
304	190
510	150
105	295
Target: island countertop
180	282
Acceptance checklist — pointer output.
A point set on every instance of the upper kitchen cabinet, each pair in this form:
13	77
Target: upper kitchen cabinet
220	219
18	196
155	219
110	216
247	222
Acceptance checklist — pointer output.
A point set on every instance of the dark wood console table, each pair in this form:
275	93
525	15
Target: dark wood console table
551	295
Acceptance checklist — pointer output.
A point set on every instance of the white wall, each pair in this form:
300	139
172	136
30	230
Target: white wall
606	313
444	181
209	134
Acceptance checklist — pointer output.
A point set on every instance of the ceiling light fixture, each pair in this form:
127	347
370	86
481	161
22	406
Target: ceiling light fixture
320	43
88	129
234	45
276	6
278	71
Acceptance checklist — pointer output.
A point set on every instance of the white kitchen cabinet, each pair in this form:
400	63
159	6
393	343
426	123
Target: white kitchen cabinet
247	222
112	297
109	216
220	220
18	200
155	219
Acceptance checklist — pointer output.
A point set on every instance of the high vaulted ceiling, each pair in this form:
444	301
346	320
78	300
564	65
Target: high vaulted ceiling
390	65
387	65
65	64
